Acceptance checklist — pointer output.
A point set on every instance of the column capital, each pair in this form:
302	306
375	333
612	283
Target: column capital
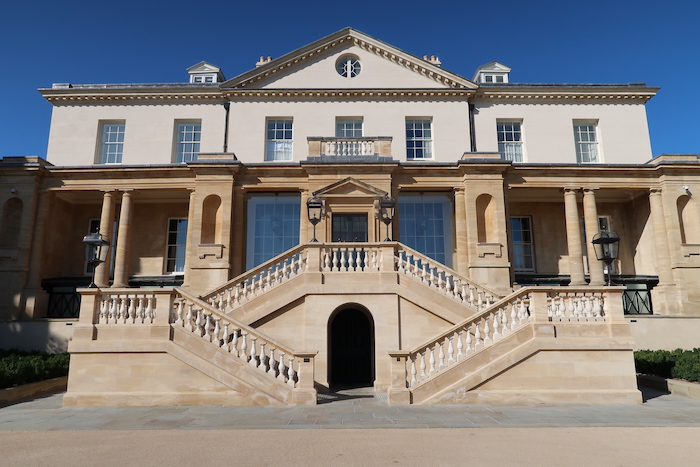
570	189
654	191
459	189
590	189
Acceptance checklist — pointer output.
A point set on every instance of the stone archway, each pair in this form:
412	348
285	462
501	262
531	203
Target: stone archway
351	348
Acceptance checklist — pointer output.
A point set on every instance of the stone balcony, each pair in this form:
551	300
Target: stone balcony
361	148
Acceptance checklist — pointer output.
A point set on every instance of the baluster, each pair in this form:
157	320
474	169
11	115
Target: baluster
334	261
477	337
220	304
432	361
479	300
423	367
441	356
282	373
190	317
290	372
326	260
496	325
589	308
280	272
131	311
460	345
557	302
343	260
262	362
111	316
513	316
140	312
504	320
253	352
217	332
178	313
414	371
572	308
229	298
424	273
469	340
104	311
440	281
207	327
580	308
400	263
431	282
244	346
471	296
450	352
151	309
525	309
606	307
487	331
225	337
234	342
122	310
597	309
272	363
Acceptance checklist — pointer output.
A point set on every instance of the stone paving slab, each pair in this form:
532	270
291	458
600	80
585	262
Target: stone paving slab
47	413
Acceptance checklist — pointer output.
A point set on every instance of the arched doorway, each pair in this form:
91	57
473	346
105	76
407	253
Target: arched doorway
351	349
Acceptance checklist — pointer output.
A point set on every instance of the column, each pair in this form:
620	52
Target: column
461	232
121	262
190	249
573	238
663	254
106	227
590	215
304	224
36	299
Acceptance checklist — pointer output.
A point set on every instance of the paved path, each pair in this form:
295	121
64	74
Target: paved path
354	429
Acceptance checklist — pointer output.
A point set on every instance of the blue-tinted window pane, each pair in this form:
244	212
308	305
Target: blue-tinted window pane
273	227
425	224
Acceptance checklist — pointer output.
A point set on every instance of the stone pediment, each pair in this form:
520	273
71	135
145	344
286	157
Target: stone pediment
315	67
351	188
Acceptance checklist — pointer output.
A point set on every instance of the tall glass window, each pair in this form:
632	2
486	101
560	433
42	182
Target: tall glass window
425	224
523	251
273	226
419	139
510	141
279	140
112	143
188	137
177	242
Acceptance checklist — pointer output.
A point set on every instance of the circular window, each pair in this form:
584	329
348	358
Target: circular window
348	66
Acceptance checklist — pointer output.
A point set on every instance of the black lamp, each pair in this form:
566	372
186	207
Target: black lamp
605	244
315	210
96	251
387	205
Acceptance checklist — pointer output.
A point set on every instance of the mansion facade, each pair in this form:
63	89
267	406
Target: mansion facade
451	262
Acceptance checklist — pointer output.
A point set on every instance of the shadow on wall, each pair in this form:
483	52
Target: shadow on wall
47	336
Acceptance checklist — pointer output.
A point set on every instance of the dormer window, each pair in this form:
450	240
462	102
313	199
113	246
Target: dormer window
492	72
204	72
348	66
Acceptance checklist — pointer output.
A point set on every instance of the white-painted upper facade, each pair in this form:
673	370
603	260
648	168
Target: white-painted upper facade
352	91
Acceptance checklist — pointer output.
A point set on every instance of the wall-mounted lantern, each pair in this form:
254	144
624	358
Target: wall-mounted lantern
96	251
605	244
314	207
387	206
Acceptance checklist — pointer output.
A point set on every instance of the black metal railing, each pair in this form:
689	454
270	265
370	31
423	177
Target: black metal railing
637	302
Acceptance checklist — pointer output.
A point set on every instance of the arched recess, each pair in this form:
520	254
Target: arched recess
211	220
485	218
689	219
11	223
351	347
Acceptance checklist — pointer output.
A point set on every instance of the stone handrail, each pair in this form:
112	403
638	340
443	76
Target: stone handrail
243	342
494	322
433	274
258	280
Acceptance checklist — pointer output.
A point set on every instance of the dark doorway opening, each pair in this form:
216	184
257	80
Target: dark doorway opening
351	349
349	227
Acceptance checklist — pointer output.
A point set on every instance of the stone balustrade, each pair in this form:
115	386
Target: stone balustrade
350	147
433	274
129	307
575	305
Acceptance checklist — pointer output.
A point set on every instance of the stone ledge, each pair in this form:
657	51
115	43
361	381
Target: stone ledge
674	386
32	390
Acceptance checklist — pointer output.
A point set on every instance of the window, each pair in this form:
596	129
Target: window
348	66
419	139
348	128
425	224
272	227
279	140
523	252
112	143
510	141
187	141
586	142
177	241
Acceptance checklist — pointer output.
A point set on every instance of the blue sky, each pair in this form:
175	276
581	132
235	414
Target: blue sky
129	41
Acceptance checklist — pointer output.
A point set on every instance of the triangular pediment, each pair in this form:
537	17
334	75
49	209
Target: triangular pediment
381	66
350	187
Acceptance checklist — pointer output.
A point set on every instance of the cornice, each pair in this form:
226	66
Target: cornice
346	93
126	94
565	93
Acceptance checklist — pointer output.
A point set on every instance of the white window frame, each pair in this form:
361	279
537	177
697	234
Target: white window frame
348	66
587	141
111	142
426	149
529	246
187	140
510	148
349	127
179	248
279	139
